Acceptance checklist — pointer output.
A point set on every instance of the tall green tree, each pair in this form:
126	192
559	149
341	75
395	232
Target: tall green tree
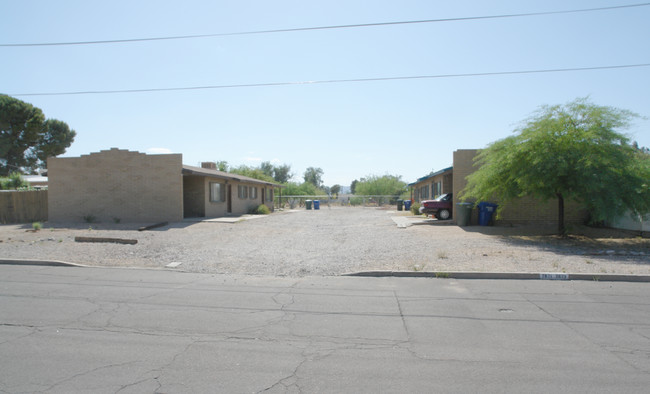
314	176
386	185
251	172
282	173
571	151
353	186
267	168
335	189
222	165
26	138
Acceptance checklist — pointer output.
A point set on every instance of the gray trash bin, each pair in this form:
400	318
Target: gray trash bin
308	204
463	213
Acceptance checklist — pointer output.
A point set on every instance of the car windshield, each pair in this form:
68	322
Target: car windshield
443	197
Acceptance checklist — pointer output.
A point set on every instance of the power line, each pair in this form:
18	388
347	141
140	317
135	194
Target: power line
359	25
332	81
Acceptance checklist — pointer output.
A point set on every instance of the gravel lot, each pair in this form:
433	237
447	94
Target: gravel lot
332	242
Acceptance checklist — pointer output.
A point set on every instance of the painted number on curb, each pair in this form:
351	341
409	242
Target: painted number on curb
554	276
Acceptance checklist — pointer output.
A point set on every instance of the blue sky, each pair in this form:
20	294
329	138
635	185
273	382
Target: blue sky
350	130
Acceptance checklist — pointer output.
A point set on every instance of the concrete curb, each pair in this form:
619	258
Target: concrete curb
47	263
411	274
504	275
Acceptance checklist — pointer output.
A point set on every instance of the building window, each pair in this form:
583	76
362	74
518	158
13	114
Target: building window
253	192
217	192
242	191
437	189
269	195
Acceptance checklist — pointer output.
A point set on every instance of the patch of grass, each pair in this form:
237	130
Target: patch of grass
442	275
588	262
37	226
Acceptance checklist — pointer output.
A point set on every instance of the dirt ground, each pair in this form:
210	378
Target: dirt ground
333	241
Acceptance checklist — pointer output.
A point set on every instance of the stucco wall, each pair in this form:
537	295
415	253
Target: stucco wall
523	210
240	206
114	185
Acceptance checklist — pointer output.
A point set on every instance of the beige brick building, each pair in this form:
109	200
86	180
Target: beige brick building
432	185
523	210
125	186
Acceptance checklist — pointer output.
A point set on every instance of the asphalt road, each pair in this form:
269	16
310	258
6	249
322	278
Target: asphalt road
99	330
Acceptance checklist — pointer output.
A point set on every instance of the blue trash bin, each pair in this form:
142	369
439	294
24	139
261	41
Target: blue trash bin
407	205
485	212
316	204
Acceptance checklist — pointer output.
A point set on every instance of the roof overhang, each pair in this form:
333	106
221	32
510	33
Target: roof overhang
206	172
441	172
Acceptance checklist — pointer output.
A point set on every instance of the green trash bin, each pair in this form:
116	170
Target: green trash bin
463	213
400	205
308	204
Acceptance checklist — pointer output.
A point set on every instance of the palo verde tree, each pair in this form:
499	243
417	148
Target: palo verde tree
27	139
571	151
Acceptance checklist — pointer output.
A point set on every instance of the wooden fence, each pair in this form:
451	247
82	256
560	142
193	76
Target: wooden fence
23	206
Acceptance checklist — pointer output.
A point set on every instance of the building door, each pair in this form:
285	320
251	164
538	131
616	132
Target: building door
263	195
229	198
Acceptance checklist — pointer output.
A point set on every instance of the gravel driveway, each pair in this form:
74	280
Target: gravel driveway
328	242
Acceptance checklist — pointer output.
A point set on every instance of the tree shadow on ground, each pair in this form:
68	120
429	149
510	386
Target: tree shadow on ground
581	240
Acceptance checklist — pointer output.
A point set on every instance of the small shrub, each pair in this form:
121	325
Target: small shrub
37	226
117	220
415	208
15	181
90	218
261	209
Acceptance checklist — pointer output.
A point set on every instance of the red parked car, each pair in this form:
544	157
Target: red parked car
440	207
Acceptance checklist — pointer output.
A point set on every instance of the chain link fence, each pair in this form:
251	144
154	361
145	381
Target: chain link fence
342	200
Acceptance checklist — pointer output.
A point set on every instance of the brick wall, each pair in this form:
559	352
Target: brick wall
116	185
526	210
446	183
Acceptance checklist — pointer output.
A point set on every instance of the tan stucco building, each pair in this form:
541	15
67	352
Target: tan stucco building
526	210
125	186
432	185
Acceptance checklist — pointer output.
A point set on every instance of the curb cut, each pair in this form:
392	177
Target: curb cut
505	275
46	263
